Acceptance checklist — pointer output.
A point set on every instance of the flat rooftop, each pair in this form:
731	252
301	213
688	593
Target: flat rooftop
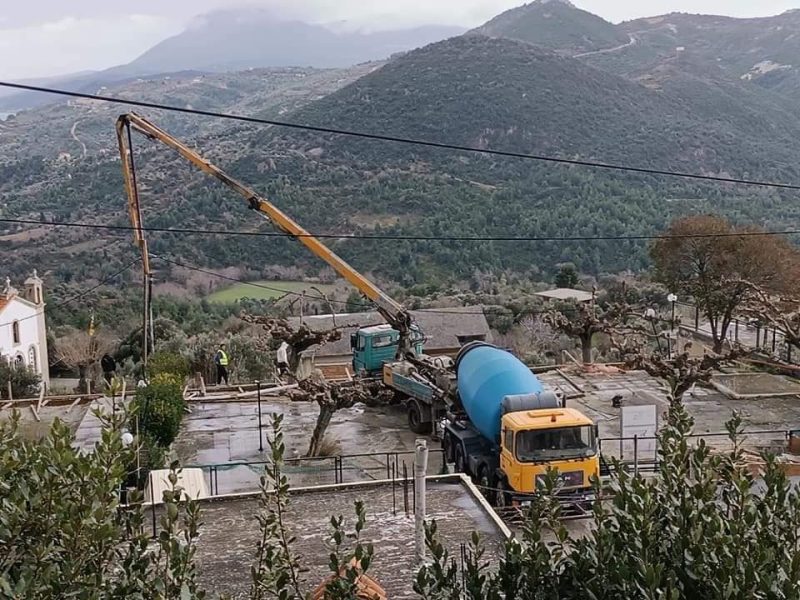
230	531
592	393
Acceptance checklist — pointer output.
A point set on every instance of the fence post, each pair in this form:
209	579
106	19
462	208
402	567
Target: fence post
736	329
260	436
153	504
774	339
636	455
788	353
420	471
696	318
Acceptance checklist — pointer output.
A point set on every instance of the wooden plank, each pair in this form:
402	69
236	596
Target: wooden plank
75	403
41	398
202	386
7	405
35	412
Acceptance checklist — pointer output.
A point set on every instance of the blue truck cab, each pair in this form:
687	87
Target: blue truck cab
374	346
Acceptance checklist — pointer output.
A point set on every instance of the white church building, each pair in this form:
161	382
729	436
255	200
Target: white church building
23	335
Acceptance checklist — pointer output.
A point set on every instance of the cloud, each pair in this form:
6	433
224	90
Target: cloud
72	44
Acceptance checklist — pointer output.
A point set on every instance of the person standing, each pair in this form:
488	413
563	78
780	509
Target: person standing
109	366
221	360
282	358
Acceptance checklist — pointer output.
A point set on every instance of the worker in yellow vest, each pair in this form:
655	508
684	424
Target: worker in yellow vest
221	360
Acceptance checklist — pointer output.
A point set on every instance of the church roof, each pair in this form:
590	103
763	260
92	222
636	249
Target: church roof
3	302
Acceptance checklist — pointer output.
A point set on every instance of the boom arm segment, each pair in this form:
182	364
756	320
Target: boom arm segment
395	314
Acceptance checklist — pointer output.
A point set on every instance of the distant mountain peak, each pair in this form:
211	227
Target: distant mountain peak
556	24
564	2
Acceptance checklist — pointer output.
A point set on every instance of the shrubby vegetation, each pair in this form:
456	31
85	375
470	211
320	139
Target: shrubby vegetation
24	381
703	528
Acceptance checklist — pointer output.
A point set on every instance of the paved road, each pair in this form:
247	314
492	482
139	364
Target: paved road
632	41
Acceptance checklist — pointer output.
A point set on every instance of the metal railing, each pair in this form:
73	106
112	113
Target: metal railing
245	476
641	452
747	332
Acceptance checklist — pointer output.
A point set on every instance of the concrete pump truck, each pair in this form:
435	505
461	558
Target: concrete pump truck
499	425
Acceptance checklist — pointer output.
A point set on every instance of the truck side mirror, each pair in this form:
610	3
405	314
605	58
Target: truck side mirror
353	341
596	431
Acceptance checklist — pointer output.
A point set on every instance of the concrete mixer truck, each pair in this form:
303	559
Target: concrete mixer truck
506	431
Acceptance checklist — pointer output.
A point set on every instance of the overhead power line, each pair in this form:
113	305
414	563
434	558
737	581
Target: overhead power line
82	294
400	237
301	294
400	139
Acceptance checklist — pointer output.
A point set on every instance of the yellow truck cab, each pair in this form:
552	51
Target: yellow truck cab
533	441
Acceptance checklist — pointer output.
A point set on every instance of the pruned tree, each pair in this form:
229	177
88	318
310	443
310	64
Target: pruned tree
333	396
684	371
299	339
80	351
781	311
714	262
583	321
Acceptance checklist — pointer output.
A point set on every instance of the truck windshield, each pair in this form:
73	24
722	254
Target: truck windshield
549	444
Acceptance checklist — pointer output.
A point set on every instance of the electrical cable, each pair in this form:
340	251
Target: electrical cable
80	295
402	140
393	237
314	297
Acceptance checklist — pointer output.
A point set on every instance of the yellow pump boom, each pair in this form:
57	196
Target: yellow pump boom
394	313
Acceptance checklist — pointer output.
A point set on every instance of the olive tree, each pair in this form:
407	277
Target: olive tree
717	264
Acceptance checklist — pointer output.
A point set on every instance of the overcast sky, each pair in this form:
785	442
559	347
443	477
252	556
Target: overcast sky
50	37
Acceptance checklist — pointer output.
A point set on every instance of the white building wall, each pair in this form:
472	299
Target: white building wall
26	316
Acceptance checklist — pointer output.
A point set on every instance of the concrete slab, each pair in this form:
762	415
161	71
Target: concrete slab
227	433
230	531
36	430
709	408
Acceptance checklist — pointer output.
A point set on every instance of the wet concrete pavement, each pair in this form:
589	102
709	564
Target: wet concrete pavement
226	433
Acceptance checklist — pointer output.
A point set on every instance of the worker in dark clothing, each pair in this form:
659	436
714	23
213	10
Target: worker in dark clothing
109	366
221	360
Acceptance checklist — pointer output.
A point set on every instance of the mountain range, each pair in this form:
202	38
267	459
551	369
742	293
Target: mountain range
707	95
239	39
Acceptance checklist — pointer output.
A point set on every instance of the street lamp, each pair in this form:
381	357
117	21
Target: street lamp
672	299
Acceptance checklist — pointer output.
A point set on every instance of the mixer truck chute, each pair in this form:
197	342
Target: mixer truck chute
511	431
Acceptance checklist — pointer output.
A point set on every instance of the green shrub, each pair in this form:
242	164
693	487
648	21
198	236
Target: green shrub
160	407
24	381
168	363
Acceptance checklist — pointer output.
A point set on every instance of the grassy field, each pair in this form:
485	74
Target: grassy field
276	290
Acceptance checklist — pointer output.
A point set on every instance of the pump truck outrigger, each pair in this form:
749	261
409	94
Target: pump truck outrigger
392	351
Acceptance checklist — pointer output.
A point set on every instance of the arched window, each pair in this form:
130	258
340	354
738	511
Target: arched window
33	363
15	331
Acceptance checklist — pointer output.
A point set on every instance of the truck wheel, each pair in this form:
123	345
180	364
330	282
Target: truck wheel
415	422
502	497
461	463
486	485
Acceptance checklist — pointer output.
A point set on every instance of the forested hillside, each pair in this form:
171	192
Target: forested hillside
474	90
